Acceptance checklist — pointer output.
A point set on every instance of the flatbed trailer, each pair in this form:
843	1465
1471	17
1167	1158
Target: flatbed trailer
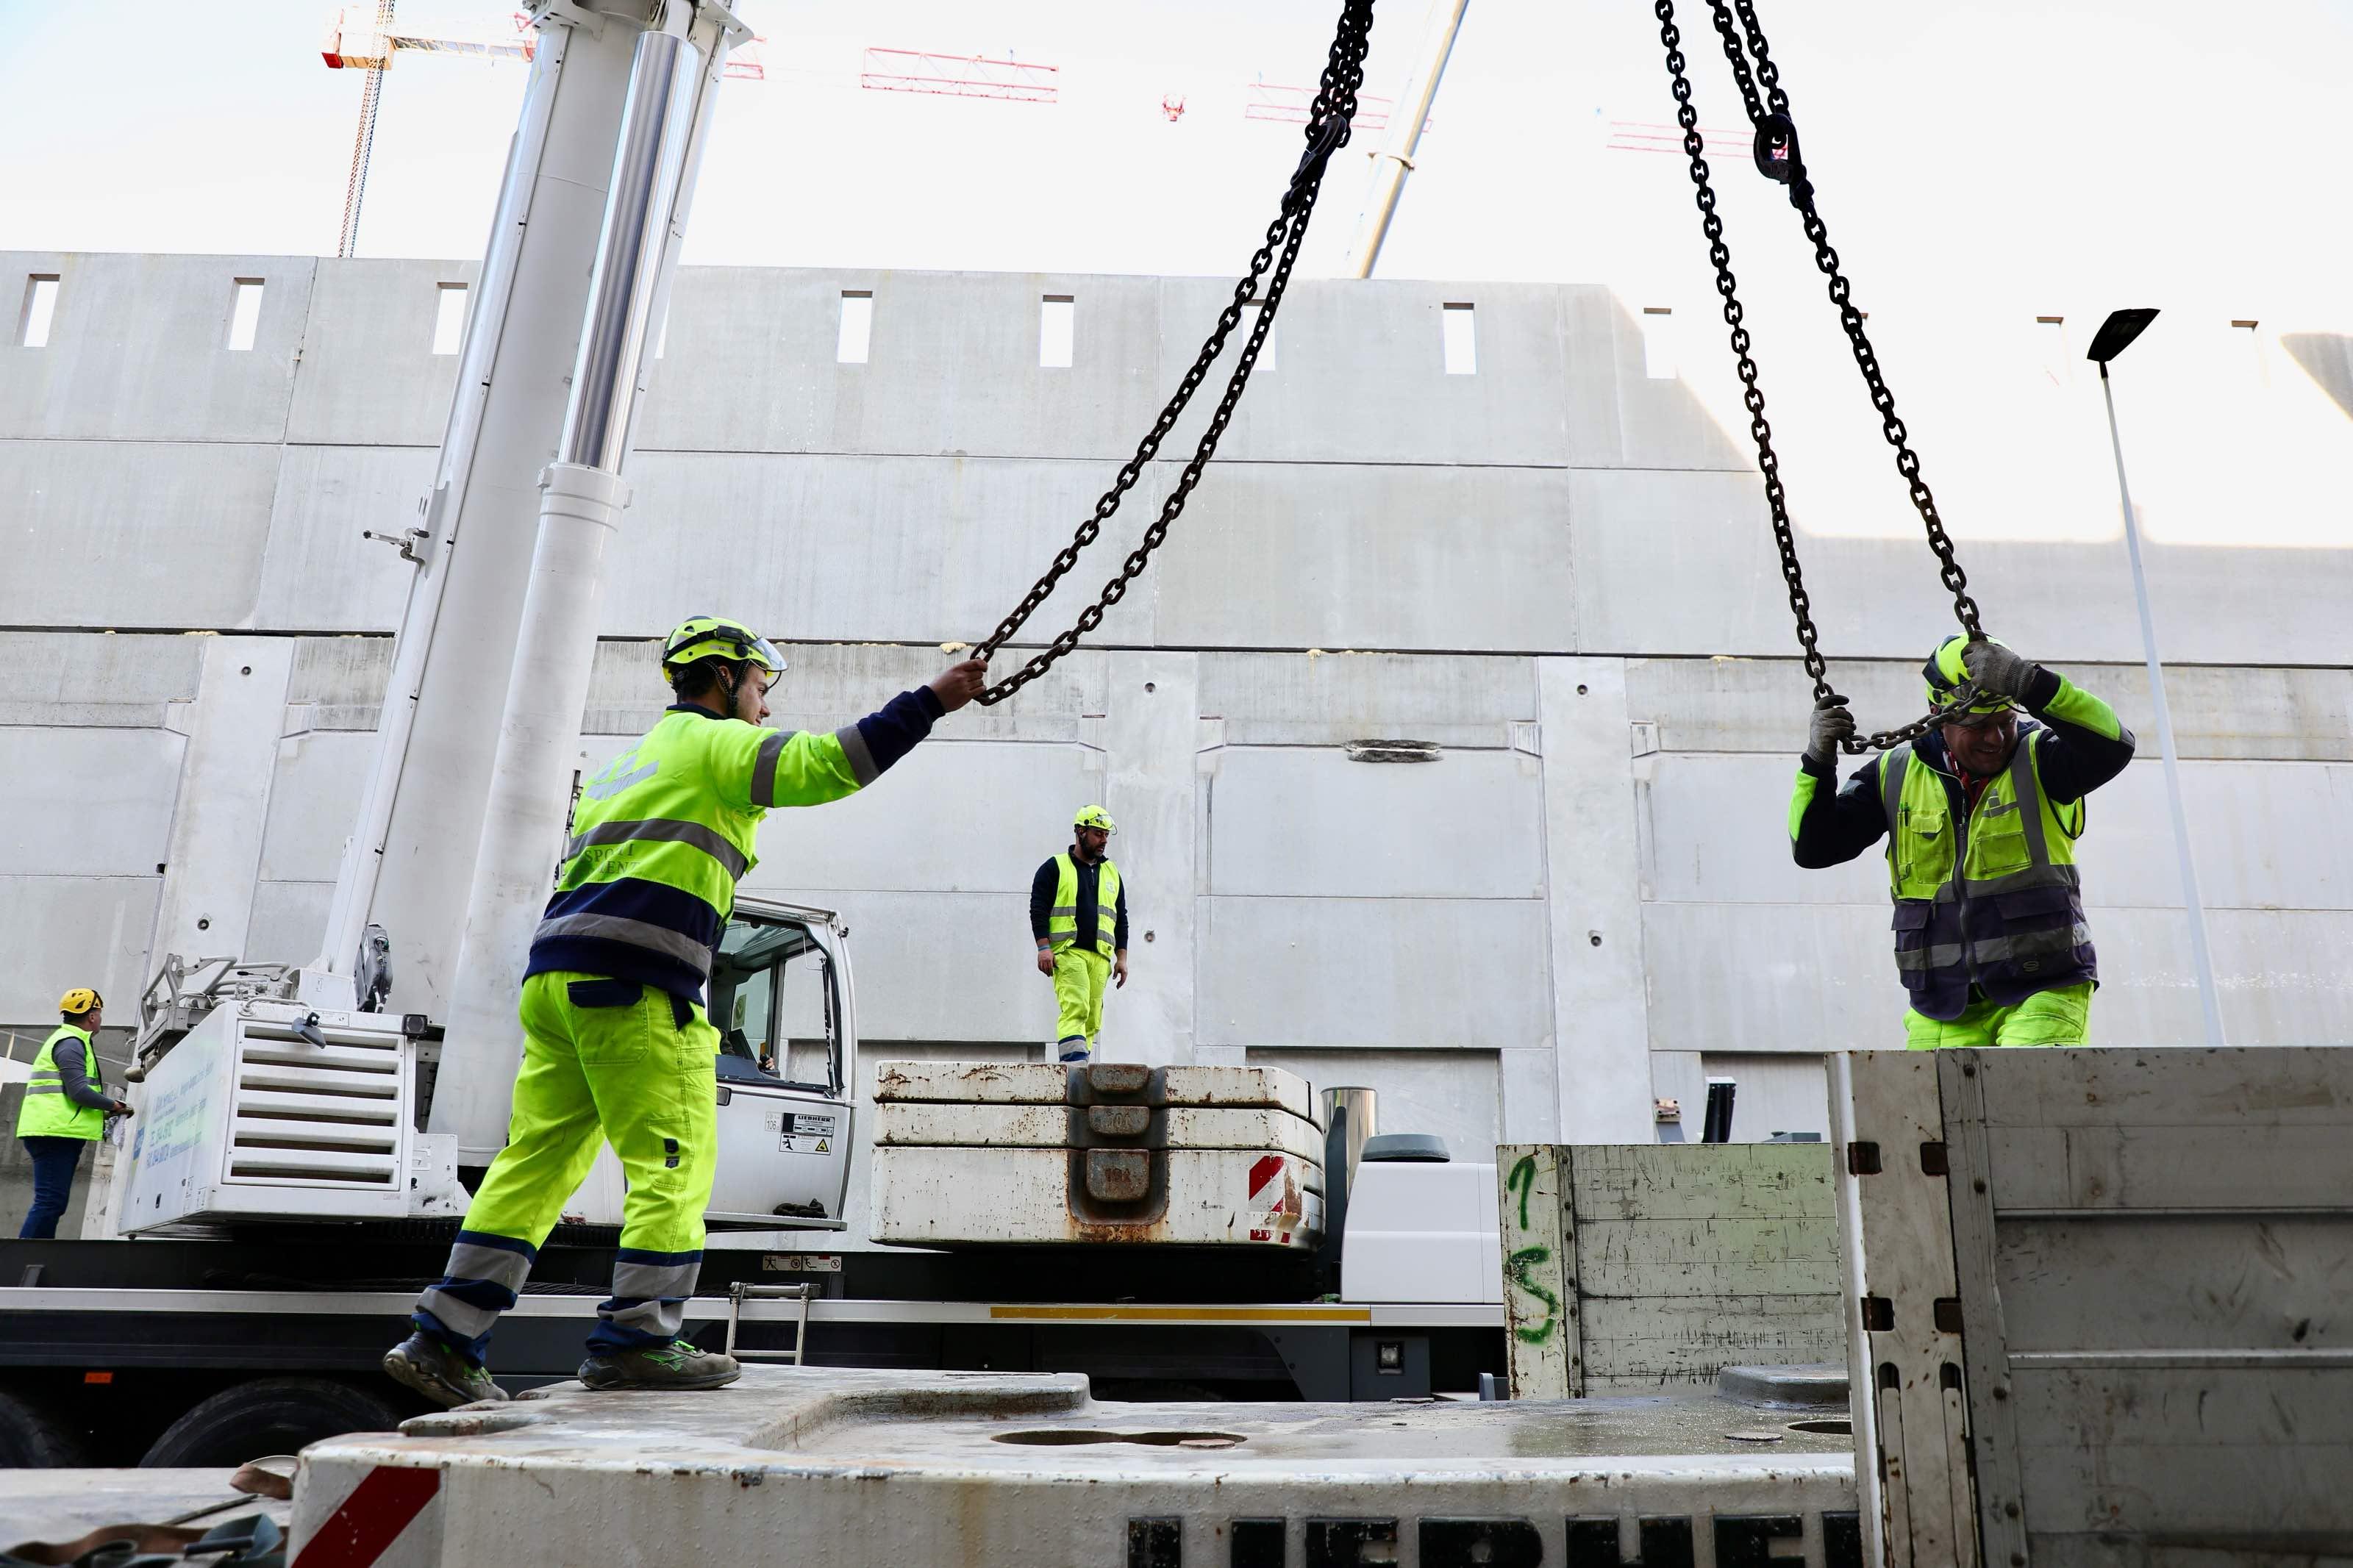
191	1351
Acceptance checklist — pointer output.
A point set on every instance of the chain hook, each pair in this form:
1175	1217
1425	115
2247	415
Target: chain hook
1776	149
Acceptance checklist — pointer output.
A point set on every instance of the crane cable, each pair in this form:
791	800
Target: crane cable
1328	118
1776	157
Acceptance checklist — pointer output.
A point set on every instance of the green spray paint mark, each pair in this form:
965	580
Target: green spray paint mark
1516	1268
1522	1176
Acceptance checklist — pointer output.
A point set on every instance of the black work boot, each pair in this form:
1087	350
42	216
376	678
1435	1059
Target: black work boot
423	1363
677	1364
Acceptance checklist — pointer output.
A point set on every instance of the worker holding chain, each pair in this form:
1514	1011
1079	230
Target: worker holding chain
1078	917
1981	816
617	1045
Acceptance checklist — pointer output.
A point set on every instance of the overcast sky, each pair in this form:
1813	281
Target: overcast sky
1980	166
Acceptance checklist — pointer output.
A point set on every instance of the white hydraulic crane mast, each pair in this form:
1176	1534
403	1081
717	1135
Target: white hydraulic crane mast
460	819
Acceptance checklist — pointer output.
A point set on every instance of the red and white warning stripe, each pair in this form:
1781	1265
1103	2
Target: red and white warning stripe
380	1516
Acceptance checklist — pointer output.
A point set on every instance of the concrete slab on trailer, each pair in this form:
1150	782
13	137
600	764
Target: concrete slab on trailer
1049	1127
1197	1197
1049	1083
929	1469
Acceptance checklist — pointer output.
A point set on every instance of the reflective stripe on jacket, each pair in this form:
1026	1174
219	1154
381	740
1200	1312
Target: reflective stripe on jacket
1993	901
661	837
47	1113
1062	919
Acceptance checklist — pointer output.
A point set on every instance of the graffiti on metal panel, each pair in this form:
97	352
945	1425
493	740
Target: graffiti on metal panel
1516	1270
1524	1177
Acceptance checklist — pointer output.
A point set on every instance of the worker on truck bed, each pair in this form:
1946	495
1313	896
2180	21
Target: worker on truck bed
617	1045
1981	818
66	1108
1078	916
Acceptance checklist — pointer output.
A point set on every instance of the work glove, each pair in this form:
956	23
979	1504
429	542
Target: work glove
1833	722
1998	670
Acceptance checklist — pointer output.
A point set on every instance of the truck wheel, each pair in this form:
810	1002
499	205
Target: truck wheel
31	1438
270	1415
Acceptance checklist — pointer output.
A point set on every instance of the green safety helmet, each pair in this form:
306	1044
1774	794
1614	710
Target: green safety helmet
716	637
1944	672
1093	817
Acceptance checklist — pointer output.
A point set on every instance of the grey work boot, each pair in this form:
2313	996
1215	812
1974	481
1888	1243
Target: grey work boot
423	1363
677	1364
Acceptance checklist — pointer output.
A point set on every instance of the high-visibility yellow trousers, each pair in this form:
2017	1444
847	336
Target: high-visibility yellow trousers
603	1061
1079	978
2060	1018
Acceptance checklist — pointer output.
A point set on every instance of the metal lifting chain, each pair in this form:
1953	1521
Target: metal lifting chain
1776	158
1327	132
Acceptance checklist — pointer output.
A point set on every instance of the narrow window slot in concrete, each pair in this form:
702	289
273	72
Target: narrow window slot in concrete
1057	328
448	318
856	326
244	314
2050	336
1659	342
1462	341
2251	354
40	309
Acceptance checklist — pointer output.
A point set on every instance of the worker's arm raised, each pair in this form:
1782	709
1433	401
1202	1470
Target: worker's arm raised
1830	826
2087	745
751	767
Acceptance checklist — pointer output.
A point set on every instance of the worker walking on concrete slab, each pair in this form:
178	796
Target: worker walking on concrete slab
1981	818
617	1045
66	1108
1078	916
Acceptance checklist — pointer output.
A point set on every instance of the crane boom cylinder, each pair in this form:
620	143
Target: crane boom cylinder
409	861
583	495
1395	159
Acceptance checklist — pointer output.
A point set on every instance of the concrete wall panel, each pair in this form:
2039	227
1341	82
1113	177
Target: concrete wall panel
1718	833
1300	555
138	349
1359	374
952	370
1457	1095
314	802
1380	974
955	967
1330	699
1620	415
1294	821
318	574
87	802
953	817
170	536
125	682
865	548
370	376
288	921
63	931
2224	711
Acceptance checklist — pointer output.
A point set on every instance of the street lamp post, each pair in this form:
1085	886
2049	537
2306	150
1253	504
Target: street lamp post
2115	335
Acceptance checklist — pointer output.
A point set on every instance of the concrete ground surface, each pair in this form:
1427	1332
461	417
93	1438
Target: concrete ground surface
918	1468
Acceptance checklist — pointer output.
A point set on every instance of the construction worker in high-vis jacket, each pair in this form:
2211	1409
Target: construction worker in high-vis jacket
617	1045
65	1106
1078	917
1981	817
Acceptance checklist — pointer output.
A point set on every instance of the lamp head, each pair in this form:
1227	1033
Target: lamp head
2117	332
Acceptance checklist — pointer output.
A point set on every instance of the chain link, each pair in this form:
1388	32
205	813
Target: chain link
1327	132
1776	155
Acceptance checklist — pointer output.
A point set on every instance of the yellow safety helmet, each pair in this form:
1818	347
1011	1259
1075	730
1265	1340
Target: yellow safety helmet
1093	817
715	636
80	1000
1944	672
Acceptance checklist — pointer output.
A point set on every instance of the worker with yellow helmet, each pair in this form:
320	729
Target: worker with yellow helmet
1078	917
617	1044
1981	816
66	1108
